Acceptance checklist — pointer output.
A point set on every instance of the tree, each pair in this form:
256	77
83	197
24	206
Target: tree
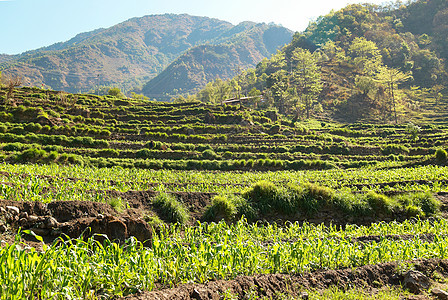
391	78
11	82
365	55
306	79
333	51
278	85
116	92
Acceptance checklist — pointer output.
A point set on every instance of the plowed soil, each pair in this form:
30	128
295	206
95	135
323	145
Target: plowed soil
369	277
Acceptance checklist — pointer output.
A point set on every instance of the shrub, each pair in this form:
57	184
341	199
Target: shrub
441	155
31	154
351	204
170	209
395	149
312	197
380	203
261	194
209	154
116	203
426	201
14	147
108	153
222	207
52	155
414	211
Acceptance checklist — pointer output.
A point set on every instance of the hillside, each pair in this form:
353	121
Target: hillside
201	64
351	51
125	55
5	57
43	126
108	192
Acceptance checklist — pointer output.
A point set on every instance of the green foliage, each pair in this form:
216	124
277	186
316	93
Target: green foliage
395	149
170	208
116	203
222	207
441	155
262	193
380	204
413	130
426	202
311	197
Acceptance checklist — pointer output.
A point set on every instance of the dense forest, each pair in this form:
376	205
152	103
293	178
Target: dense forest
363	62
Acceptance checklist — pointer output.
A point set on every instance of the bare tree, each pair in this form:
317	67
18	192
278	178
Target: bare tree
11	82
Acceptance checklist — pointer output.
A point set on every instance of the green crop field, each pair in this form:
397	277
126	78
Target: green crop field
118	197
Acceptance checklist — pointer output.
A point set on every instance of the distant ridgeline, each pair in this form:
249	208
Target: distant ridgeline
131	53
363	62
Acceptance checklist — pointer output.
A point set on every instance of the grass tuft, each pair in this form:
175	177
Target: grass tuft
222	207
170	209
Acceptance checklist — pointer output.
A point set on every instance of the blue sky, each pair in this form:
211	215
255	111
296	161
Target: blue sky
30	24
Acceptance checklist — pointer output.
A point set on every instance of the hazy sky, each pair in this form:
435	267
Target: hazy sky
30	24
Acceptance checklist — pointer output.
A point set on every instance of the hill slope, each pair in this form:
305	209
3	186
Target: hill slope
125	55
201	64
352	50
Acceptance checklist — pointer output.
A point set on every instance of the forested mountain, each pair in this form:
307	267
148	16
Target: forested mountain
363	61
125	55
5	57
246	47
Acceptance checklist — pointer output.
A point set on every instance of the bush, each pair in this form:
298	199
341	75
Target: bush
108	153
209	154
312	197
441	155
15	147
380	203
170	209
426	201
31	154
261	194
352	204
395	149
222	207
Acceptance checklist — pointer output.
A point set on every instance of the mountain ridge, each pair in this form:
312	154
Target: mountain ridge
126	55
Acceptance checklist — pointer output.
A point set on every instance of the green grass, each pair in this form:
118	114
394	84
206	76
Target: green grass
222	207
170	209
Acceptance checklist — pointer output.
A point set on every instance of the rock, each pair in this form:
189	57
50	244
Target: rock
23	215
2	228
33	219
304	296
50	223
440	294
416	281
2	211
140	230
113	227
13	210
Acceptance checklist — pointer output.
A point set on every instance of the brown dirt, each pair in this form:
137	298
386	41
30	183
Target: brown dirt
75	218
269	285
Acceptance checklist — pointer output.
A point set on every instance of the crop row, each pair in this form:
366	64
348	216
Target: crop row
78	269
40	177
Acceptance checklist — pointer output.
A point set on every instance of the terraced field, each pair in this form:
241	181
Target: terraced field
105	198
